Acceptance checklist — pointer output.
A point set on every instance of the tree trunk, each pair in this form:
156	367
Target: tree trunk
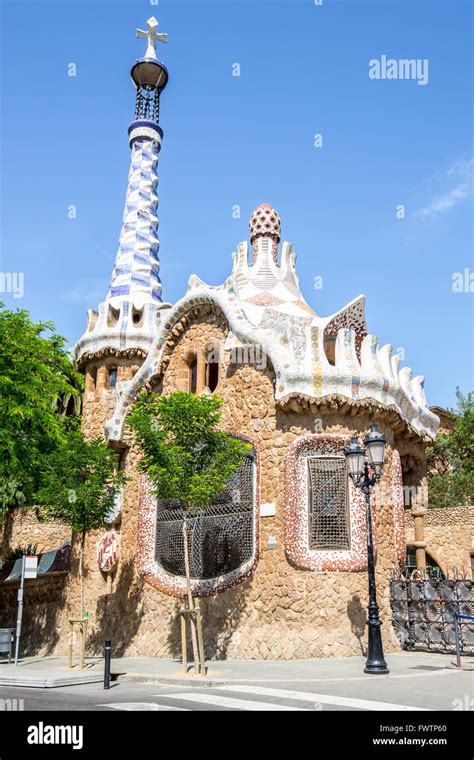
81	571
190	595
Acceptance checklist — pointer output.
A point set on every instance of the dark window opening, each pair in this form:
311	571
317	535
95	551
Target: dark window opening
193	376
112	377
330	348
328	504
137	317
212	375
112	316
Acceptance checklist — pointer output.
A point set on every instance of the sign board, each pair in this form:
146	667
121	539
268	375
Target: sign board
267	510
31	567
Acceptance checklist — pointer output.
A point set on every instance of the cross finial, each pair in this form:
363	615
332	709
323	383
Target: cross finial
152	36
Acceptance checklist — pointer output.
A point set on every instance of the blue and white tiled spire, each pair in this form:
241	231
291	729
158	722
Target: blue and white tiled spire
127	320
136	272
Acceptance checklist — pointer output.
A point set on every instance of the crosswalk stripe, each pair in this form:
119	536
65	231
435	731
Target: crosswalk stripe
239	704
304	696
142	706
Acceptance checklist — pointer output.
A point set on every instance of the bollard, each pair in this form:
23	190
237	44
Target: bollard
107	656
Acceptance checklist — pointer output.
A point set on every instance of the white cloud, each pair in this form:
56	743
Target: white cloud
459	176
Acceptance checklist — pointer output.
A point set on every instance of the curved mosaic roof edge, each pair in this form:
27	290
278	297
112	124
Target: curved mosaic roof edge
293	340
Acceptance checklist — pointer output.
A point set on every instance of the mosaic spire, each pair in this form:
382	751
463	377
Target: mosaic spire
136	273
127	320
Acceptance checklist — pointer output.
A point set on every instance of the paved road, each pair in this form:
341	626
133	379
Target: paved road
436	689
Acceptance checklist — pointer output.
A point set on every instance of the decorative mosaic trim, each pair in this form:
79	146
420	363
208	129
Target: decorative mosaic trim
317	366
398	507
145	129
296	510
173	585
128	353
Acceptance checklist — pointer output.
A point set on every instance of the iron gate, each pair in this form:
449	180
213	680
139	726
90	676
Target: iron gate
423	613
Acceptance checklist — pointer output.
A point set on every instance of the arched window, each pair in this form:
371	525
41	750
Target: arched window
137	317
221	537
211	375
330	348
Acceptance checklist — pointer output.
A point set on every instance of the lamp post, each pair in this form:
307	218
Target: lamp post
365	469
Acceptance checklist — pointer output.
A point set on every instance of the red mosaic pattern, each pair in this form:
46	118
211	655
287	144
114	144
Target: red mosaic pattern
398	507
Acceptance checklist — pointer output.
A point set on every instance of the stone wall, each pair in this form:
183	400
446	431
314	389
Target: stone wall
449	534
44	625
22	527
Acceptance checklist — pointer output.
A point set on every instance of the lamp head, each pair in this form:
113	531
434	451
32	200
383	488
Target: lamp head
375	445
355	458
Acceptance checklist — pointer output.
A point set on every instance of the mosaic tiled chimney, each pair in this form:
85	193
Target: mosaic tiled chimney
265	232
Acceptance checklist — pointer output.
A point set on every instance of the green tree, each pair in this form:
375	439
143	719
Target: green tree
37	381
79	482
186	458
451	458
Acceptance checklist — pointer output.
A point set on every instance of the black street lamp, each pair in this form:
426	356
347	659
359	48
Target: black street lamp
365	469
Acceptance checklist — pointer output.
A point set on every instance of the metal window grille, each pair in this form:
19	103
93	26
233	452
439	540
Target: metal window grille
220	538
432	569
328	507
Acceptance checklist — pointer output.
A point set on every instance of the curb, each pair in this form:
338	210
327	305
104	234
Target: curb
49	683
187	682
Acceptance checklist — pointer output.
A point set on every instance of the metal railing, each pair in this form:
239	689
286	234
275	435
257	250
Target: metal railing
430	614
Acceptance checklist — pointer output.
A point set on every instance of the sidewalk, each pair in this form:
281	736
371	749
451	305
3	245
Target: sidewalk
52	672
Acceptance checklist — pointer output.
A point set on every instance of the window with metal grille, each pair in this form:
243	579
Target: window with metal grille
221	537
328	504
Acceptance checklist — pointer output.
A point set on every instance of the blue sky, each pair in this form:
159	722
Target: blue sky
246	140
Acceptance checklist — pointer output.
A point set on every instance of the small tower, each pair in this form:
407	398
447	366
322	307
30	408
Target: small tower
265	232
120	333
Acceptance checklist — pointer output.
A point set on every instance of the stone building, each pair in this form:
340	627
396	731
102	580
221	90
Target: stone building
280	560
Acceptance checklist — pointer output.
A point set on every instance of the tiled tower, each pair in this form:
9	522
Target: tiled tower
120	333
